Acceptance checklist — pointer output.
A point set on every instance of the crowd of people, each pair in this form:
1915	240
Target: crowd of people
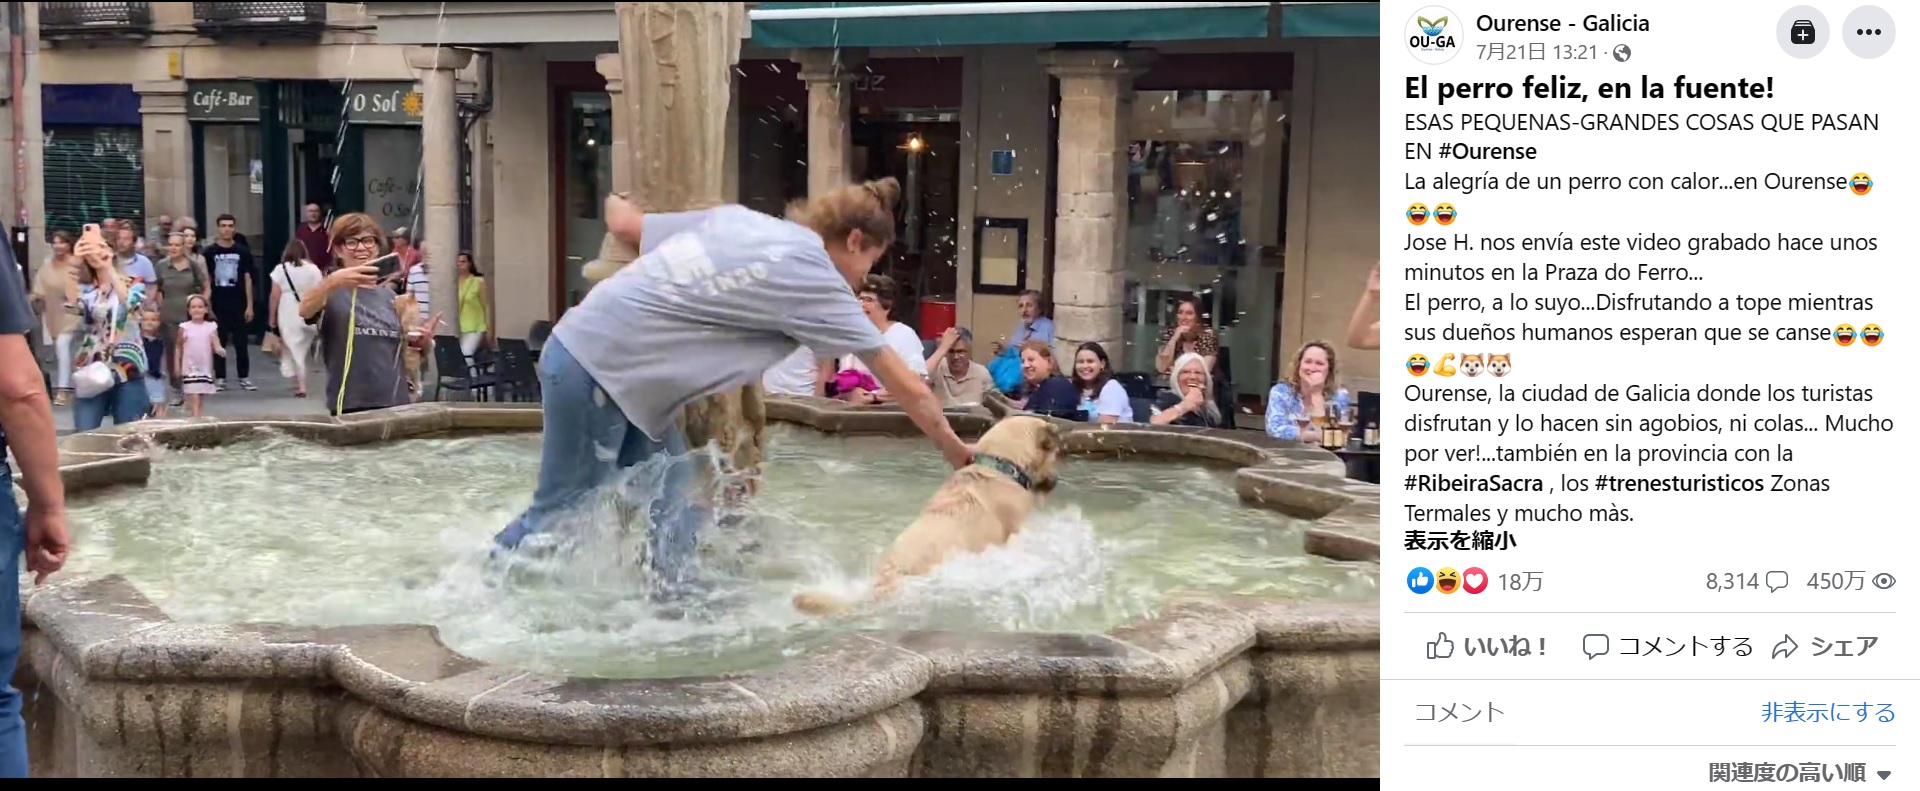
1025	368
161	320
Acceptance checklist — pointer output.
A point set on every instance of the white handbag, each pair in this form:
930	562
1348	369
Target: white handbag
93	379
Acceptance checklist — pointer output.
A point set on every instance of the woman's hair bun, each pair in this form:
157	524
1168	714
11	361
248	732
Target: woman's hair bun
887	190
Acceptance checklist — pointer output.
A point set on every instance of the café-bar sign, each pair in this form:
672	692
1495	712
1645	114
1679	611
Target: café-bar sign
230	101
388	103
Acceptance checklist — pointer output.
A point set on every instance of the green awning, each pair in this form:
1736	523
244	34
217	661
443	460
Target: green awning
931	24
1308	20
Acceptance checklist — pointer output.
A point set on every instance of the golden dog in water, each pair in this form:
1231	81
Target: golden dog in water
980	506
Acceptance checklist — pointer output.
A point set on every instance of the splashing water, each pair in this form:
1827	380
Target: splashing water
281	530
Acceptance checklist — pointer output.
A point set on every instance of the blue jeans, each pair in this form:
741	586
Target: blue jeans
587	444
13	542
125	403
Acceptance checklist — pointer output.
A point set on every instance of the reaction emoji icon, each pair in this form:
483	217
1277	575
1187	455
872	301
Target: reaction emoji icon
1473	580
1843	335
1861	184
1499	364
1443	213
1445	368
1420	580
1447	580
1417	365
1417	214
1871	335
1471	364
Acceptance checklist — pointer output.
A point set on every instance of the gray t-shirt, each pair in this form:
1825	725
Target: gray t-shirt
374	379
717	297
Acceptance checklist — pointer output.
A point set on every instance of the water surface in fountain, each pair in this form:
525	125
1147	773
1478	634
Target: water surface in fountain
282	530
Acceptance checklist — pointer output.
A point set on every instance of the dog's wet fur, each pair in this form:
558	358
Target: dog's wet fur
978	507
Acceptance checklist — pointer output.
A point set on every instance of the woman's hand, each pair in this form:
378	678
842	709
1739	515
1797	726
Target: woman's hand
95	253
960	456
1195	400
1000	347
352	277
949	338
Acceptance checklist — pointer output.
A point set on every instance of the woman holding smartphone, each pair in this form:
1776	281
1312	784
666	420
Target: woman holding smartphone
360	328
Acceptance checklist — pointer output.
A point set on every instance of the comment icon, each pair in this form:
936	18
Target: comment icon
1776	580
1595	646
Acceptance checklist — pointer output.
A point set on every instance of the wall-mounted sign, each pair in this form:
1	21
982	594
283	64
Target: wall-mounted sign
384	103
227	101
1002	163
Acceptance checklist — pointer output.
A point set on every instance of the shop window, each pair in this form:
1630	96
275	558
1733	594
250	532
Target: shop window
1205	184
234	179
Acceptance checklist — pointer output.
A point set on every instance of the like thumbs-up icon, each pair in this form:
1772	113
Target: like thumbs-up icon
1420	580
1440	648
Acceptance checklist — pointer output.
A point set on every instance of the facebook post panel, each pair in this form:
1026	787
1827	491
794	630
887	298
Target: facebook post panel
1644	270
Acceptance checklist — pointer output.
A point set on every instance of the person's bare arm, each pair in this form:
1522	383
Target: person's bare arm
315	300
919	402
273	306
246	283
27	416
1163	361
1363	330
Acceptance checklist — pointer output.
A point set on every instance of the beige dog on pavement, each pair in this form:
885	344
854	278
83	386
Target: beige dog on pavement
984	504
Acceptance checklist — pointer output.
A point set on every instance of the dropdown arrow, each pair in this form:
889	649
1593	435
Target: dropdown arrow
1883	774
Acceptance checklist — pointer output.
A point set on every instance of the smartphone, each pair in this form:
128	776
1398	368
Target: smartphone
386	265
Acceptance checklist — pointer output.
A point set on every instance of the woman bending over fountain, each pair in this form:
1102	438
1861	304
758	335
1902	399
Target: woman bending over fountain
717	297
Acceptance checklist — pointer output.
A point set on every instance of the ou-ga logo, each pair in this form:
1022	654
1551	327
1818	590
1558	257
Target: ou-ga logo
1432	35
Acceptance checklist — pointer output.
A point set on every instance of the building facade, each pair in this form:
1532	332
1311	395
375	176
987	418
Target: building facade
1113	158
204	109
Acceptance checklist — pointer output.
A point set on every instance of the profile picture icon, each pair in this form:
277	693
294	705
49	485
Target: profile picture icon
1433	35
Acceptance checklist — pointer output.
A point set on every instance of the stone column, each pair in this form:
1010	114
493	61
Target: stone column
439	231
829	74
677	64
609	67
168	139
1090	220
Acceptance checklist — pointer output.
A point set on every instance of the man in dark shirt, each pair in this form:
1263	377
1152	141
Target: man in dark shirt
313	234
232	267
26	424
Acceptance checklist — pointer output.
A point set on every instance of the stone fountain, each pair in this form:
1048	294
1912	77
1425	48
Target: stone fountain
1212	687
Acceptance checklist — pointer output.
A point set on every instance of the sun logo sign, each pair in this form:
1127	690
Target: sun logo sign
1431	36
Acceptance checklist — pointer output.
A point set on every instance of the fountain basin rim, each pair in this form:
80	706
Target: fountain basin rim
104	628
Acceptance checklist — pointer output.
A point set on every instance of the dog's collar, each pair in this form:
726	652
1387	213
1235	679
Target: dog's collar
1006	468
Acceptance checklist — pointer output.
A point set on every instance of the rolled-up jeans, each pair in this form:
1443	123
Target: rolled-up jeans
587	444
13	541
